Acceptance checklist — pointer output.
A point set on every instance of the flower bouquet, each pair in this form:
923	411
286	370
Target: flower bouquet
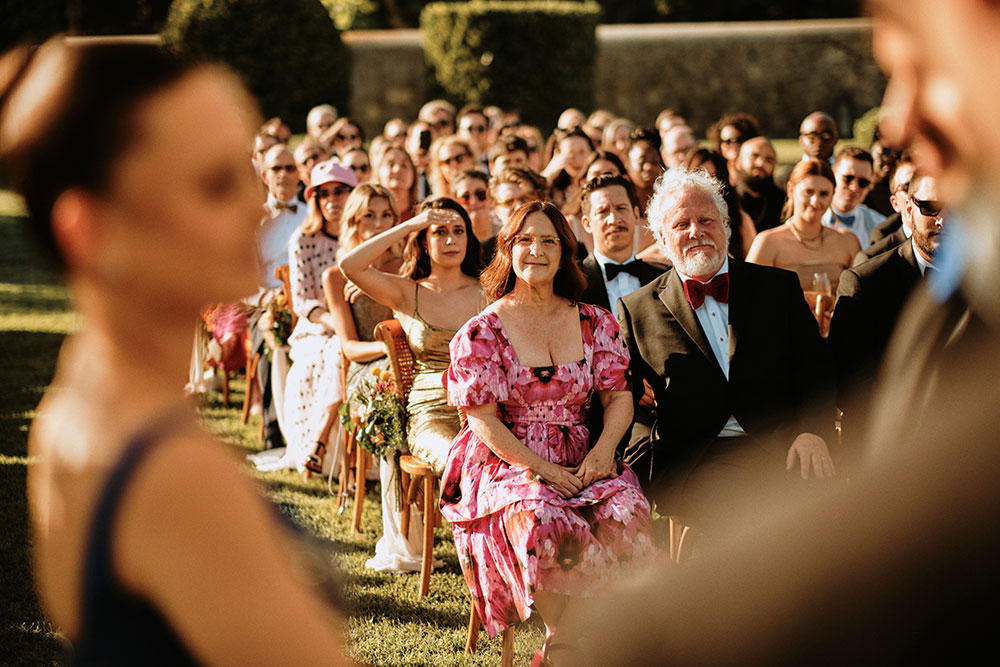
275	321
374	414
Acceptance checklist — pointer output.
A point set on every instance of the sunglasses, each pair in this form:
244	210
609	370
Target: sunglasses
730	142
336	191
468	196
850	178
361	168
454	159
825	135
283	167
928	207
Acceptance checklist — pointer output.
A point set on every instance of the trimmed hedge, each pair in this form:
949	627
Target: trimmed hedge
289	53
534	56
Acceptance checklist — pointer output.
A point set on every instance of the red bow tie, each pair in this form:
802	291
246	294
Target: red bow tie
717	288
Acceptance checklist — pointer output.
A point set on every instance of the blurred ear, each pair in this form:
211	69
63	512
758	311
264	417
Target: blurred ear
74	227
585	221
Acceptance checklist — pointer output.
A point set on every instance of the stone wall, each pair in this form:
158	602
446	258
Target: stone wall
778	71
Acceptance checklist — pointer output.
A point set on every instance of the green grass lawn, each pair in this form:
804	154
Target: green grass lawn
387	625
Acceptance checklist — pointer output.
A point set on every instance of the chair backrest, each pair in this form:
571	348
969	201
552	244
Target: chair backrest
397	347
282	273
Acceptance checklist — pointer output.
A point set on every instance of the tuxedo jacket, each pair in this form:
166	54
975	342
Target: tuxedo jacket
780	377
597	292
870	297
888	226
887	242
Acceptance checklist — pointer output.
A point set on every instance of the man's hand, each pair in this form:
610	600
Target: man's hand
648	399
811	452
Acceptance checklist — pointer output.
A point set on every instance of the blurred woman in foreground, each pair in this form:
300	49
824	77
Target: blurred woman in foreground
150	544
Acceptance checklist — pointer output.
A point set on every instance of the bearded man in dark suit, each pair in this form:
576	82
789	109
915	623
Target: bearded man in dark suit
870	297
741	378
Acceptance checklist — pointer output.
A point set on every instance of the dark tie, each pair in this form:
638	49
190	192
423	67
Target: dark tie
612	270
282	206
846	219
717	288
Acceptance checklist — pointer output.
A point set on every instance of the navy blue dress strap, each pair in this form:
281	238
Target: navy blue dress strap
118	627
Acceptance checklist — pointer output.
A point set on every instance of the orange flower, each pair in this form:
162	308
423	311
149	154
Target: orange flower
377	372
385	376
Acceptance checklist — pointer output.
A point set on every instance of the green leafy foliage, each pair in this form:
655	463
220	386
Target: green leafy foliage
864	128
289	53
534	56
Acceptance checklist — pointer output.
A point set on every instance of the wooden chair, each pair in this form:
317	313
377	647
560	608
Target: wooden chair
507	647
419	481
678	533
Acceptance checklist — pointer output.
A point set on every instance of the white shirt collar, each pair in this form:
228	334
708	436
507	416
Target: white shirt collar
922	263
602	260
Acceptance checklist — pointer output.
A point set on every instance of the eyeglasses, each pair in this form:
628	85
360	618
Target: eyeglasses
282	167
825	135
336	191
454	159
850	178
467	196
928	207
361	168
528	240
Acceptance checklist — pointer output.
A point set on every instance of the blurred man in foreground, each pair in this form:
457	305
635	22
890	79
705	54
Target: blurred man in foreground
900	567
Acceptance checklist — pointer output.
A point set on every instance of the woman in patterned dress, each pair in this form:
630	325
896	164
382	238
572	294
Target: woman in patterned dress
539	516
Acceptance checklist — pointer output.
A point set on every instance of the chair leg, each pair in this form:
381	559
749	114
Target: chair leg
404	515
361	460
427	562
225	386
347	448
507	650
251	386
474	623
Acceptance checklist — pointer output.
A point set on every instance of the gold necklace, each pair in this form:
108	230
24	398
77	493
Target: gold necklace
805	242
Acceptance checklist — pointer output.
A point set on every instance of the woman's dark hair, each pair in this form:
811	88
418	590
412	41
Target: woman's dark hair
66	116
605	155
697	160
416	261
498	278
745	124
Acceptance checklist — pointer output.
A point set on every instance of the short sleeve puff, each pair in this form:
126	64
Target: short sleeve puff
609	360
476	375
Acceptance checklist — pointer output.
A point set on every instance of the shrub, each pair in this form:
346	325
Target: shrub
289	53
534	56
864	128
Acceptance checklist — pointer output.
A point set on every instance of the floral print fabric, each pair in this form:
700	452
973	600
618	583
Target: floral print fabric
516	535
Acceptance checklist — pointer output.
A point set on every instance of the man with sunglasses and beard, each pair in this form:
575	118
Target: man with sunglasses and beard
853	168
871	297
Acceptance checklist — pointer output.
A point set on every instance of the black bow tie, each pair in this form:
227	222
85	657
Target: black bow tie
282	206
612	270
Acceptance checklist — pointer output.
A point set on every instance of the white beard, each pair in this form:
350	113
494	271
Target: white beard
702	263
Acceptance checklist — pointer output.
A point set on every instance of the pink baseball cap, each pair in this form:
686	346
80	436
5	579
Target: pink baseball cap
330	172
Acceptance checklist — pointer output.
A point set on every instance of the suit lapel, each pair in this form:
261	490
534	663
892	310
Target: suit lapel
737	304
672	296
597	291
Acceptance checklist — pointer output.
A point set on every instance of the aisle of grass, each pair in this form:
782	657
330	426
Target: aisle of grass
387	625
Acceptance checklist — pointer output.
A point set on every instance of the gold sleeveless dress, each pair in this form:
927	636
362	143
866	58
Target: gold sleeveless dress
431	423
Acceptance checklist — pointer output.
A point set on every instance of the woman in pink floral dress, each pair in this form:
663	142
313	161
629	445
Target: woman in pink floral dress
539	516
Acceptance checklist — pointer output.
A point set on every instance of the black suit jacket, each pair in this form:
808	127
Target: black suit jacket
888	242
597	292
888	226
780	379
870	297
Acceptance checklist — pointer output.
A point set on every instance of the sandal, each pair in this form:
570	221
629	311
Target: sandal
314	462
